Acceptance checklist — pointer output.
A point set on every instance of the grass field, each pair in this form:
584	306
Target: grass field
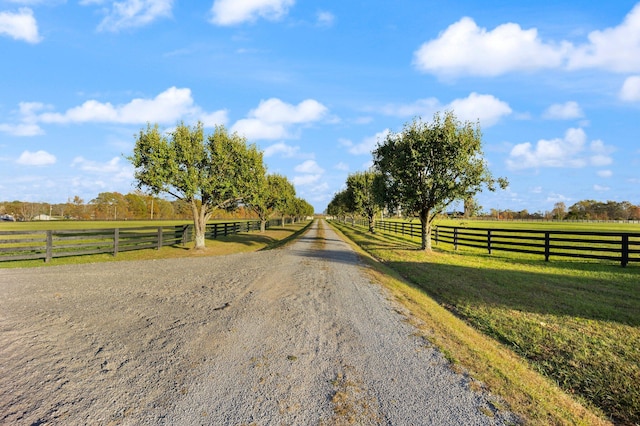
243	242
576	323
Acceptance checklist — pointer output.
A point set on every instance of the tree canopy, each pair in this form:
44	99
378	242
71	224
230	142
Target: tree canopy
427	166
366	194
209	173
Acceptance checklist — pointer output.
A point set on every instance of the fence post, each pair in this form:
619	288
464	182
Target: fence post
226	230
116	240
625	250
547	246
437	235
159	237
455	238
49	249
185	235
489	240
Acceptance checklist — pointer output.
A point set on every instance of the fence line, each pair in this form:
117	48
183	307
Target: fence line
623	247
29	245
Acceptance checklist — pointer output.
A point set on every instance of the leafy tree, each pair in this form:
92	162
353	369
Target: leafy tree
340	204
110	206
559	210
209	173
427	166
366	191
273	194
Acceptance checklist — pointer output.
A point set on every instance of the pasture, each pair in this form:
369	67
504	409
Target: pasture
219	245
575	322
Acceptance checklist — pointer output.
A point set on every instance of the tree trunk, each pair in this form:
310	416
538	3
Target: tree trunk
426	231
263	226
371	225
199	225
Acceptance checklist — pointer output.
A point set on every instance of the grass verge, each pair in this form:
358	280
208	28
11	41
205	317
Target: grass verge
559	342
244	242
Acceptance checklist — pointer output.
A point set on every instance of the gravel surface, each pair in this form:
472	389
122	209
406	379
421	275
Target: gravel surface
294	336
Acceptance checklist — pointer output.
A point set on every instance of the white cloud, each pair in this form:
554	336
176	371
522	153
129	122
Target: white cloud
309	166
569	151
168	107
114	168
132	13
600	188
342	166
605	173
486	108
615	49
465	48
325	19
273	118
630	91
287	151
232	12
275	111
306	179
567	111
20	26
38	158
367	145
22	129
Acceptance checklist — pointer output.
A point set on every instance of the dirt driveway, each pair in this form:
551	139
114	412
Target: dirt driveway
294	336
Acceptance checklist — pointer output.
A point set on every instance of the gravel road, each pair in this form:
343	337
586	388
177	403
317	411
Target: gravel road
293	336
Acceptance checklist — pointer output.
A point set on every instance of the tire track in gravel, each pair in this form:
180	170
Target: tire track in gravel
293	336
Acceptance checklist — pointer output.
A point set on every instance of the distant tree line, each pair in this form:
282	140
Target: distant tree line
111	206
582	210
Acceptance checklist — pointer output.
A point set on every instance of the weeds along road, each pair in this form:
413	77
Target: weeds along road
293	336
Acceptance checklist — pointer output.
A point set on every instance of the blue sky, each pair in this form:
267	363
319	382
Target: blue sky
554	85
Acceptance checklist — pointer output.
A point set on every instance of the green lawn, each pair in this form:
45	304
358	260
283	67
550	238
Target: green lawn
242	242
577	323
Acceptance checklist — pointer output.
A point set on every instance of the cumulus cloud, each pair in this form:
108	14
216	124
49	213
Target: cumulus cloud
309	166
306	179
367	145
570	151
630	91
615	49
342	166
131	13
20	26
282	148
168	107
605	173
464	48
273	118
476	107
38	158
567	111
233	12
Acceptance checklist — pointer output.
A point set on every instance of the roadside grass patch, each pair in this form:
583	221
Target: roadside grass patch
576	323
238	243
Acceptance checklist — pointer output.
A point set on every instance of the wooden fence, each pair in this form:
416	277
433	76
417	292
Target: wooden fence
623	247
27	245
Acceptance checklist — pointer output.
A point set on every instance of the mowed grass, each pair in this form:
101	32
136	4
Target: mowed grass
238	243
576	323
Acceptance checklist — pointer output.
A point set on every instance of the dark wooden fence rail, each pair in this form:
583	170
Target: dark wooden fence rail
27	245
623	247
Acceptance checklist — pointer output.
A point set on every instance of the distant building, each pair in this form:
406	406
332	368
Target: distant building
43	217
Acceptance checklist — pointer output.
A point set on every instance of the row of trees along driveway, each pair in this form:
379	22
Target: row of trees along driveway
420	171
211	172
